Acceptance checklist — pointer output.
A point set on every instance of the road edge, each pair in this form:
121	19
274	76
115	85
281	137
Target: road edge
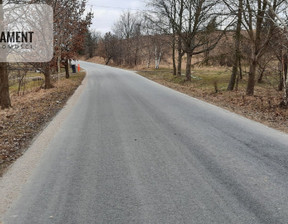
18	173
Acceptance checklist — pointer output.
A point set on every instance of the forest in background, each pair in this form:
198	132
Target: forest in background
249	38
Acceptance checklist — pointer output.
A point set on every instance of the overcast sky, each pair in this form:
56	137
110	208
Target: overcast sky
106	12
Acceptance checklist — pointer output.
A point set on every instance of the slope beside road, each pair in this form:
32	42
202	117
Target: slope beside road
133	151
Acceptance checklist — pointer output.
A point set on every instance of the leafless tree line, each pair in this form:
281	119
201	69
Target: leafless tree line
255	30
133	42
263	25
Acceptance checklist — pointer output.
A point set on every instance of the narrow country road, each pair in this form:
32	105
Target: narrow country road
132	151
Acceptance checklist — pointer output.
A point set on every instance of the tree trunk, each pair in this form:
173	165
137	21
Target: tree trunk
260	78
158	61
237	49
136	55
179	66
188	66
286	94
233	78
285	64
155	55
251	78
281	80
240	69
4	87
158	57
67	74
173	9
108	60
258	40
173	55
285	80
58	64
180	55
149	61
206	56
47	75
180	51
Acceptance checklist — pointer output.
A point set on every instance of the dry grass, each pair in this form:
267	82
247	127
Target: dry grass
98	60
263	107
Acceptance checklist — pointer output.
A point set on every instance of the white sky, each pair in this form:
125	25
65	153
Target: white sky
106	12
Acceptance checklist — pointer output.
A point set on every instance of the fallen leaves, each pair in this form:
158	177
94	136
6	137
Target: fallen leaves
29	114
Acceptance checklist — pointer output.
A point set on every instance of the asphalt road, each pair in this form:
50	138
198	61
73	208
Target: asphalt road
132	151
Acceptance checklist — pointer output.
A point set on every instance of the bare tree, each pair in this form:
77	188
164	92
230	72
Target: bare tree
129	29
257	23
159	43
179	42
237	53
147	40
92	41
193	18
109	48
164	22
282	26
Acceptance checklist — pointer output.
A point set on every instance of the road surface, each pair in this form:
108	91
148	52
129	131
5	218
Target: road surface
132	151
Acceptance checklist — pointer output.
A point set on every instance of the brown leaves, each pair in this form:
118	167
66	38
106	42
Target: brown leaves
20	124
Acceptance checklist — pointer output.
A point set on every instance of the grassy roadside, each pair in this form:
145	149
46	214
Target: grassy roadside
29	114
209	84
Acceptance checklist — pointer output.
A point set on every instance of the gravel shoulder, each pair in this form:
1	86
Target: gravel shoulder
29	115
48	104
